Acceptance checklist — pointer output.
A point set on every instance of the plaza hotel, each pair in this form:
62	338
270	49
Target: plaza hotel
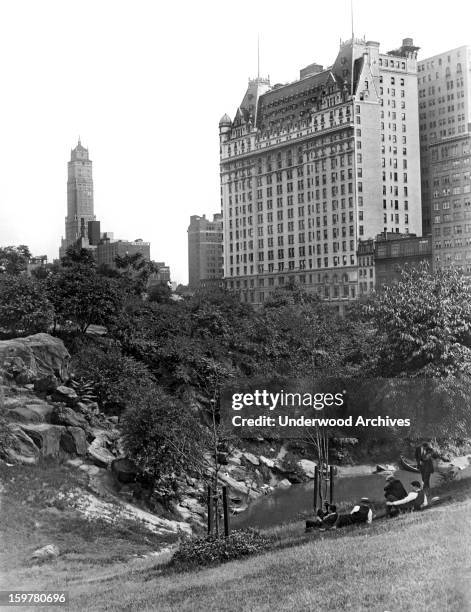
311	168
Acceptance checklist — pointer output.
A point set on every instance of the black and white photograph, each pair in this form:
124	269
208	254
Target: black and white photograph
235	306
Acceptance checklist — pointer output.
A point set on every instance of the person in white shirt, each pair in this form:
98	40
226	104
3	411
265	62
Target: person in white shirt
361	513
415	500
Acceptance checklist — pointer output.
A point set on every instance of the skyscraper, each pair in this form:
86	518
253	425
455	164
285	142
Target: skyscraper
445	142
311	167
79	197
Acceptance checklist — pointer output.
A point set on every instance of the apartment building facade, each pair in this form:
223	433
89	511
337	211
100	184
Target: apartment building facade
205	251
445	137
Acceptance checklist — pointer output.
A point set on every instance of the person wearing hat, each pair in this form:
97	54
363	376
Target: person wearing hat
393	491
361	513
415	500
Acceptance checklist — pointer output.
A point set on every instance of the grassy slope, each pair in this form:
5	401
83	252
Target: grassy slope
416	562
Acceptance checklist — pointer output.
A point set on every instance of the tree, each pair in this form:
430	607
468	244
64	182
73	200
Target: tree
82	297
163	438
77	256
14	259
117	378
135	271
159	293
24	307
423	324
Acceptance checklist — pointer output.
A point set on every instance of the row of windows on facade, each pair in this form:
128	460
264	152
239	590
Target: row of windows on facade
430	64
442	110
446	191
448	218
325	262
450	230
455	243
318	236
335	247
251	296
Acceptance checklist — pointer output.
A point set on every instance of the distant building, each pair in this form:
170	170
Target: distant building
94	235
79	198
444	83
107	250
35	263
392	253
160	277
205	251
366	267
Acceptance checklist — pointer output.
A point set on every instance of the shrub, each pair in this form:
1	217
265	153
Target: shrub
116	378
212	550
24	307
163	436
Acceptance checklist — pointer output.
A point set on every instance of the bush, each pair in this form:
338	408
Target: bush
116	378
212	550
163	436
24	307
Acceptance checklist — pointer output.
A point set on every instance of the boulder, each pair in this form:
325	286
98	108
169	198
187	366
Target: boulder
237	472
42	354
21	448
235	485
62	415
251	458
74	441
46	437
66	395
24	414
124	469
266	461
42	409
307	467
193	505
45	553
234	461
284	484
100	455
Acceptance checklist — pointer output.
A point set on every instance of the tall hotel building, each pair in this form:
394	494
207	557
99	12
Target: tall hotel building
445	137
79	197
310	168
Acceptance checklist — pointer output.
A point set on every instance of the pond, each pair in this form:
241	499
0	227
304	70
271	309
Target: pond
286	505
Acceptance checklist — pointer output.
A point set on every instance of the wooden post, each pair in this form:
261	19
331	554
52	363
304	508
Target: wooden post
331	484
316	486
210	510
226	511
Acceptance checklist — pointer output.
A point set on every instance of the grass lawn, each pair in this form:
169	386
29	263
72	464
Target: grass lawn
419	561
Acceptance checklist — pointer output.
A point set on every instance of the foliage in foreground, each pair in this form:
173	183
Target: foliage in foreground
24	307
116	378
212	550
163	437
423	324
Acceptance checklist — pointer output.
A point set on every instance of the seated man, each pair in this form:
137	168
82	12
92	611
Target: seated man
393	491
415	500
361	513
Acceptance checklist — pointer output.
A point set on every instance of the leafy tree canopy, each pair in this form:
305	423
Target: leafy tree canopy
24	307
14	259
423	324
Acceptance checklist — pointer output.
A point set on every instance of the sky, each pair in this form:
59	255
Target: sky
144	84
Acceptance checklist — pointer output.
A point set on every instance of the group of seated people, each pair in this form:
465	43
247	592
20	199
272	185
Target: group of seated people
397	500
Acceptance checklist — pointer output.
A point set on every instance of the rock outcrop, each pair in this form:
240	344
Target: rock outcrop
34	357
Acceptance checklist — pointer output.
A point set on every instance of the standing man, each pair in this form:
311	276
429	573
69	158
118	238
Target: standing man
424	458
